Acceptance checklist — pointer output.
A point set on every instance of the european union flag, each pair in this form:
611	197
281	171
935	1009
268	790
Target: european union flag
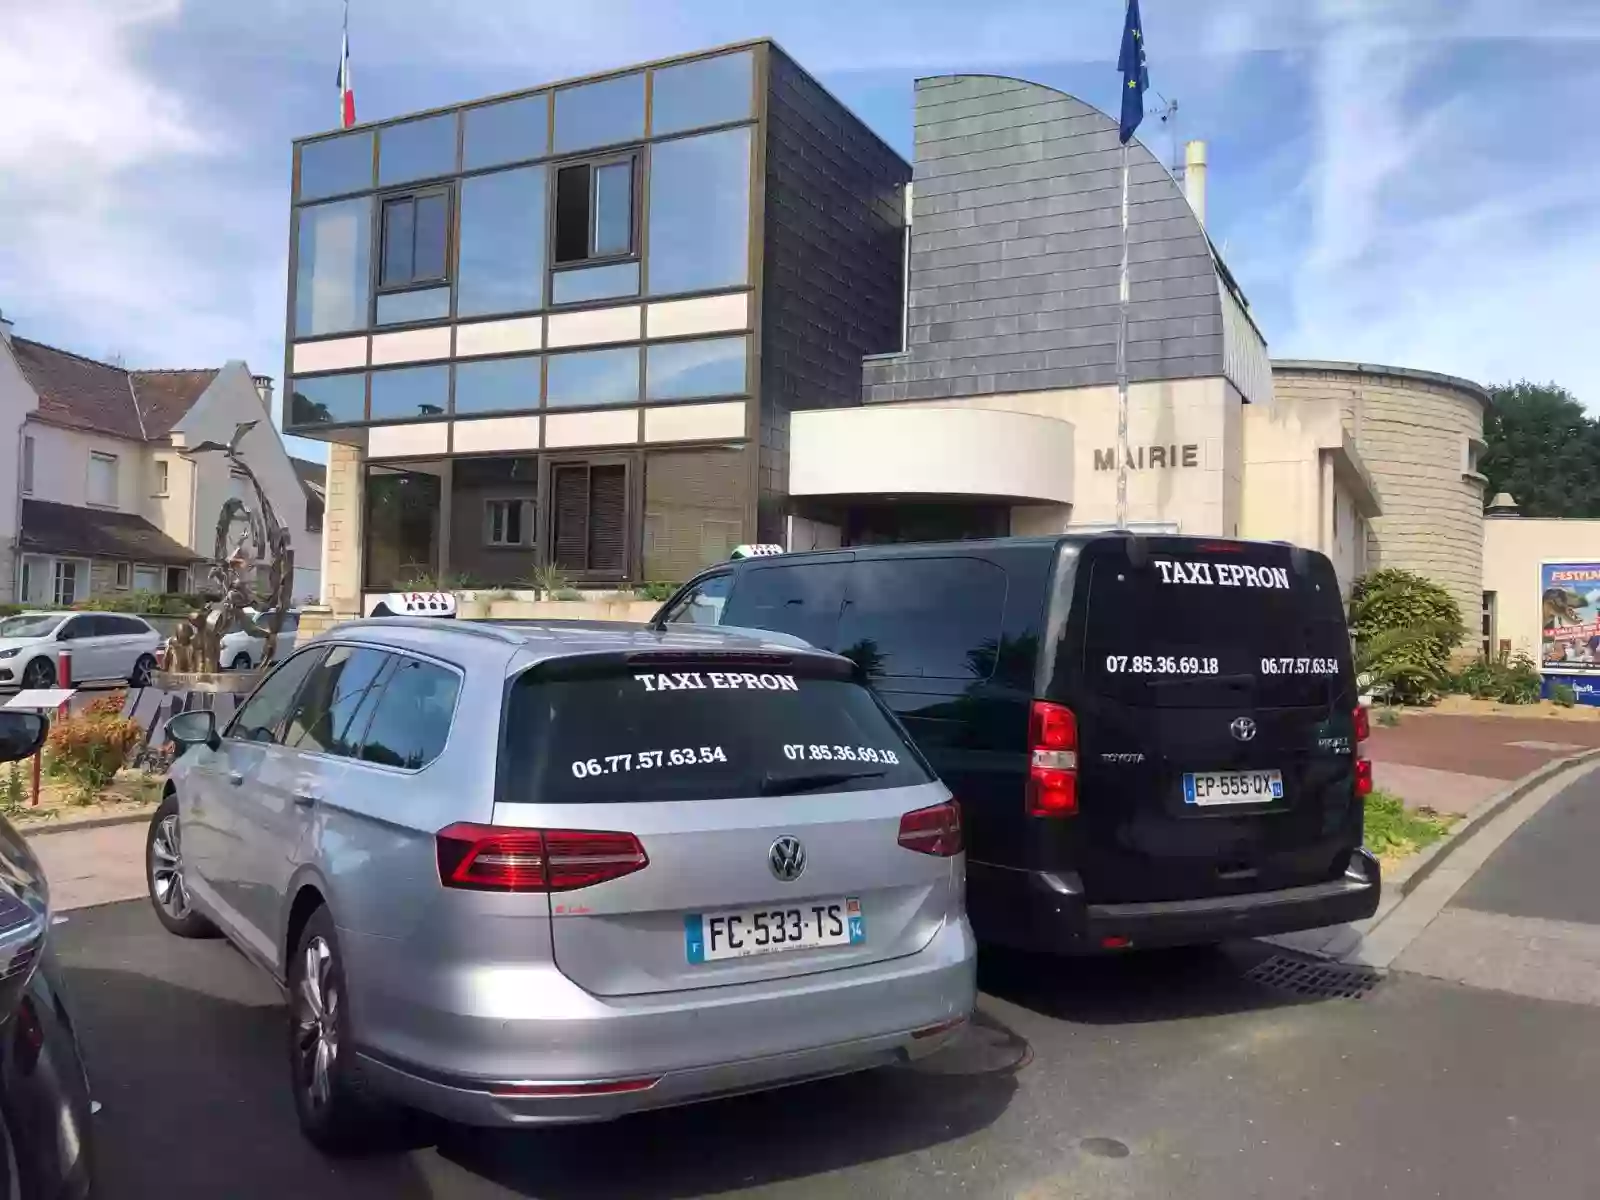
1135	77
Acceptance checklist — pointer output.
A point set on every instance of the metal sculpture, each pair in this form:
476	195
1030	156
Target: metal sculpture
196	646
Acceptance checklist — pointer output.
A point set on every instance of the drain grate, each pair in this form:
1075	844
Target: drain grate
1319	980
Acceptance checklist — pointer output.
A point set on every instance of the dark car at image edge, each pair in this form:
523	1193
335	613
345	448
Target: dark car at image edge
1155	740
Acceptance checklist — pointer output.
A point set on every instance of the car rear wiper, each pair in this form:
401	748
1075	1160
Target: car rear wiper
788	785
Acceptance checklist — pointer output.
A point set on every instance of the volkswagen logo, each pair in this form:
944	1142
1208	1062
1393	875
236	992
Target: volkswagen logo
787	858
1243	729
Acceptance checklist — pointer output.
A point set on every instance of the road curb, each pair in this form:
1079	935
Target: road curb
1425	863
136	818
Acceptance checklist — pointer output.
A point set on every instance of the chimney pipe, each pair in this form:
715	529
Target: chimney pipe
1502	506
5	327
263	389
1194	178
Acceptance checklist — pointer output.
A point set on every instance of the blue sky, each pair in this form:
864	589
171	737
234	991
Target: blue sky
1399	181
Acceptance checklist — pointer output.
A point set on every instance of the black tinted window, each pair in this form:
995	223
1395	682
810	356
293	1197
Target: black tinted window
128	626
336	702
1194	628
261	715
800	600
78	627
413	716
703	605
699	731
937	618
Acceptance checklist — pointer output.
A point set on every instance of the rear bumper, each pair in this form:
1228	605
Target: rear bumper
1047	911
468	1065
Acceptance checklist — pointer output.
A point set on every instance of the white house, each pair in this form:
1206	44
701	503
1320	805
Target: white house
97	494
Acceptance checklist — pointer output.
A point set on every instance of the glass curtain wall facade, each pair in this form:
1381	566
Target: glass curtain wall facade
535	315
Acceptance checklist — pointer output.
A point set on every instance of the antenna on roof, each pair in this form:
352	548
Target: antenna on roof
1169	120
114	359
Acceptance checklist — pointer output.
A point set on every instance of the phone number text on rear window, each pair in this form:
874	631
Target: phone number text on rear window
1299	666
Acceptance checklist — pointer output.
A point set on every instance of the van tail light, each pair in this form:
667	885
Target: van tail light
935	830
489	858
1363	723
1363	765
1363	777
1053	770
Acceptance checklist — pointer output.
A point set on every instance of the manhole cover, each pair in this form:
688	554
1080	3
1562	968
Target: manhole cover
1104	1147
1321	980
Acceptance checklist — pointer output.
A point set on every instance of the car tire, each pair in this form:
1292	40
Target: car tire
338	1112
164	878
241	662
39	673
142	671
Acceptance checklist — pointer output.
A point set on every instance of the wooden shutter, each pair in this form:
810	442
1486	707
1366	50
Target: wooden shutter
569	492
608	519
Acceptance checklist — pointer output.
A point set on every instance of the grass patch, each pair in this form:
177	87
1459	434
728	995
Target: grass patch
1395	831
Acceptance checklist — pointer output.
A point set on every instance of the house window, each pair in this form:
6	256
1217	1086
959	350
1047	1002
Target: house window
103	480
594	210
508	522
27	465
124	576
177	579
162	477
1488	624
589	518
416	238
147	579
314	510
65	580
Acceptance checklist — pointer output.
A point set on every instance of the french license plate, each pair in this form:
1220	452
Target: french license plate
747	932
1202	788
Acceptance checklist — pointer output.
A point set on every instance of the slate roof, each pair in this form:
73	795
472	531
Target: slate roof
313	476
83	393
52	528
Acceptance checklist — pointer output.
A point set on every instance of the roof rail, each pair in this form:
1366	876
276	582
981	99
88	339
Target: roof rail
432	625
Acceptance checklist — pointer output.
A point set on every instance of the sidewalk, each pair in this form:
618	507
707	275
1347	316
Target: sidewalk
92	866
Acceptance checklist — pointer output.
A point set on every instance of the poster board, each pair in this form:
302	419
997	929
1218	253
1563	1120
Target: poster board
1569	626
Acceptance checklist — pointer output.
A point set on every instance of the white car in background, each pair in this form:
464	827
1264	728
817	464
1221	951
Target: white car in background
241	650
105	647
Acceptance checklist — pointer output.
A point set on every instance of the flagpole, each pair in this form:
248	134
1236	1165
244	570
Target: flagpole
1122	359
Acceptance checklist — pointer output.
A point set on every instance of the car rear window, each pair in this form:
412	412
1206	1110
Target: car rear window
1211	628
707	729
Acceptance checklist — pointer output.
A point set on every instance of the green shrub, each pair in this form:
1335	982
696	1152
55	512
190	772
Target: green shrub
1404	627
90	747
1387	717
1563	695
147	604
1513	680
659	592
547	580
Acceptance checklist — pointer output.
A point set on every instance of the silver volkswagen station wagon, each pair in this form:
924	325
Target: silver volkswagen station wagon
526	874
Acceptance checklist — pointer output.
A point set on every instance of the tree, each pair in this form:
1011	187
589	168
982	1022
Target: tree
1544	449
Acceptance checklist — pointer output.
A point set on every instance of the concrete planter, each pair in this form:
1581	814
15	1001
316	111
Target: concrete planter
589	609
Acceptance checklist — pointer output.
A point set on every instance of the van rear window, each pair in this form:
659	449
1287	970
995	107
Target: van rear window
1195	630
702	731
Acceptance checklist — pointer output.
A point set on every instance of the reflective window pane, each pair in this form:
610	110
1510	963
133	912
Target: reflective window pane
417	149
497	385
410	392
331	281
412	721
335	165
416	235
335	704
693	517
600	114
932	618
707	92
501	266
684	370
594	283
494	525
398	308
433	235
613	208
593	377
399	240
700	212
329	399
401	526
506	132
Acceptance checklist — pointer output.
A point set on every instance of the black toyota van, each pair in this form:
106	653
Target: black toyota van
1155	740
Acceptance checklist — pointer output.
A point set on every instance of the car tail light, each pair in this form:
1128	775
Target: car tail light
1363	723
1363	777
487	858
1053	771
935	830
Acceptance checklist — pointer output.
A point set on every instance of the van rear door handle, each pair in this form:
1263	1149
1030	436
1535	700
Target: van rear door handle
236	777
304	800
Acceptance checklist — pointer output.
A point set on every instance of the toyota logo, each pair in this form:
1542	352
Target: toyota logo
787	858
1243	729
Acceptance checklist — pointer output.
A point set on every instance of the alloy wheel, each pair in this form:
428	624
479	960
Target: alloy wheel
316	1016
39	674
166	868
141	672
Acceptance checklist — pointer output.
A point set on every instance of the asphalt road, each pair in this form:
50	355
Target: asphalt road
1172	1075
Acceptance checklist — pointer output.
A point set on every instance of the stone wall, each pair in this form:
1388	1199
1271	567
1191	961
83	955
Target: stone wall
341	531
1416	432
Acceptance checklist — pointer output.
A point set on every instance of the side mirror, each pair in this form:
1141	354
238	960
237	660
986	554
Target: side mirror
21	734
197	727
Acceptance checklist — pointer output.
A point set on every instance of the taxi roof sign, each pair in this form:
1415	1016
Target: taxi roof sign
414	604
754	550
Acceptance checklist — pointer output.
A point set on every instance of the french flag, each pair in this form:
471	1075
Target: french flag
347	93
